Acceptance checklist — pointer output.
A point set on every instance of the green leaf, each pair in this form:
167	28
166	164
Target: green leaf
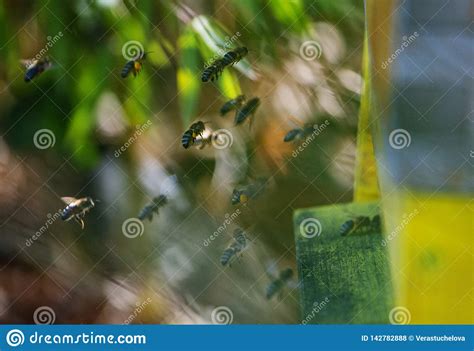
188	74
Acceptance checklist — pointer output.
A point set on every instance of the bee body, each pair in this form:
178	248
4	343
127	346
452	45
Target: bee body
133	66
250	191
293	134
76	208
189	137
35	68
152	208
235	56
277	285
361	225
187	140
248	109
213	71
232	105
238	245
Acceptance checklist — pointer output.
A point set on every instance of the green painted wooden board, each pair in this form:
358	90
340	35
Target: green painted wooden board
343	279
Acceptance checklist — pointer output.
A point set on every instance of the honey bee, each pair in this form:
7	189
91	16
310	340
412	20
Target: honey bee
247	110
233	104
135	65
153	207
238	244
35	67
250	191
277	285
299	133
76	208
189	137
213	71
235	56
361	225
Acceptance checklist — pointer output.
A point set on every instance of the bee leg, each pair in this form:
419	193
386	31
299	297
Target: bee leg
79	220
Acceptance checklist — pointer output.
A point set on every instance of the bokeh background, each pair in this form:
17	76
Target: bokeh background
167	274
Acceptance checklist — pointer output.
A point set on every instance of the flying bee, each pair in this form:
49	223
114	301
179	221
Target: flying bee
189	137
361	225
35	67
250	191
153	207
76	208
213	71
277	285
235	56
135	65
298	133
247	110
238	244
233	104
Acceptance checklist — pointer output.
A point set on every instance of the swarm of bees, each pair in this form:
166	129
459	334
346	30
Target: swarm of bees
76	208
194	136
35	67
251	191
277	285
134	66
361	225
238	244
214	70
152	208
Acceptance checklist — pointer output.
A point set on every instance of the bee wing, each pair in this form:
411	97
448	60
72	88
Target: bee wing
272	270
67	199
